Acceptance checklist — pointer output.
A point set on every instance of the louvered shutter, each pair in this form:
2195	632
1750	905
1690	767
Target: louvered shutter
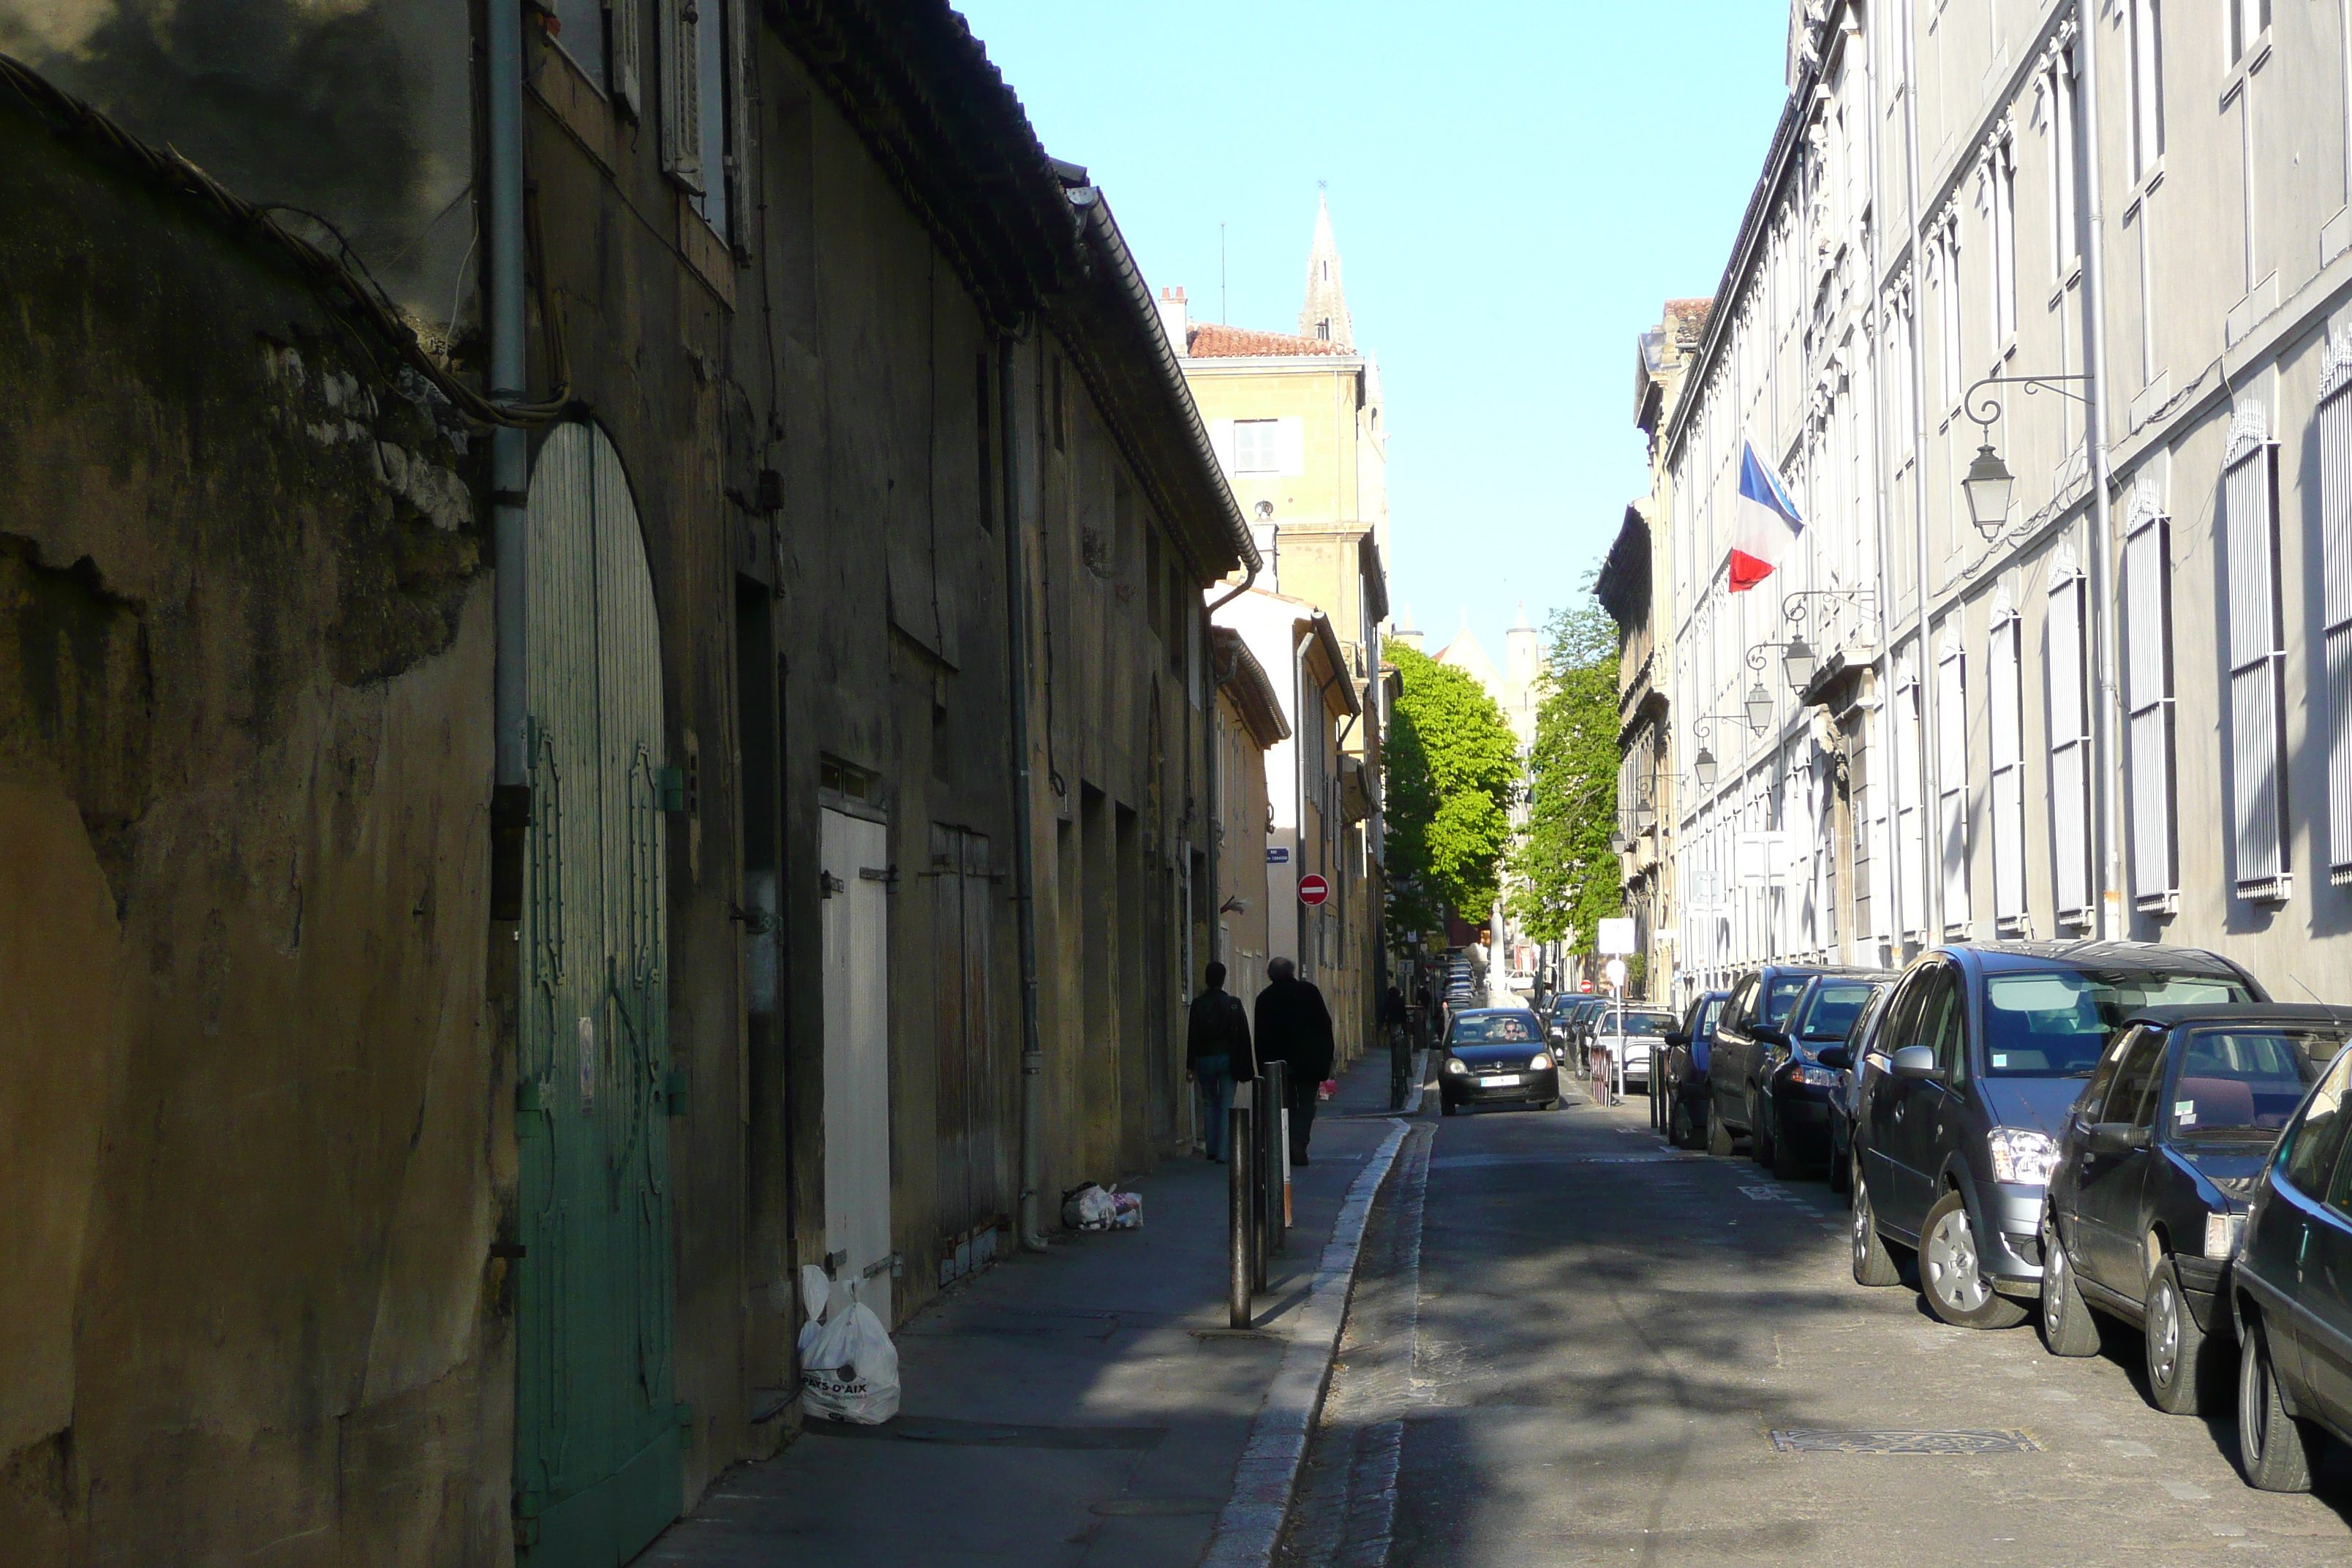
681	92
2070	773
2257	696
739	77
1911	851
2147	702
2336	559
2008	771
1952	780
627	65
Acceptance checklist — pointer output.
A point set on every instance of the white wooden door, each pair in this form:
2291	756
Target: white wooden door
857	1056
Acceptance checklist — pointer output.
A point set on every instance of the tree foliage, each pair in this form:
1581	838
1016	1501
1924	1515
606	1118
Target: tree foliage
1451	763
1566	876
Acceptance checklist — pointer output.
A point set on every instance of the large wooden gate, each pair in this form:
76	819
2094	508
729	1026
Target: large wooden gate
972	1086
596	1425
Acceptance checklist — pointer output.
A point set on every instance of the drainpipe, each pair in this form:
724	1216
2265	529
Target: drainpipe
1931	901
509	455
2103	560
1025	861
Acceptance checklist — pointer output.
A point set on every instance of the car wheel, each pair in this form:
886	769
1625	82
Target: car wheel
1718	1135
1679	1130
2270	1441
1446	1107
1840	1174
1760	1131
2175	1345
2067	1326
1872	1264
1951	1272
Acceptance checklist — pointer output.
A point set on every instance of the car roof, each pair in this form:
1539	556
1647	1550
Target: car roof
1776	971
1484	1012
2027	957
2242	1013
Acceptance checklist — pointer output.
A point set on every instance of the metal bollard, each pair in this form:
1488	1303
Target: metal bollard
1241	1268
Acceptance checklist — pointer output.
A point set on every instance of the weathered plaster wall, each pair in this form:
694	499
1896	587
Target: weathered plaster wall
246	1082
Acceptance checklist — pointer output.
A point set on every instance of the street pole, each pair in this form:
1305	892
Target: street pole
1242	1254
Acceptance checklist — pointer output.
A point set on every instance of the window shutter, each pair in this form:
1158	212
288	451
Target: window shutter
1952	779
2335	556
2147	702
1911	851
2070	773
2008	770
628	55
2257	695
739	76
681	92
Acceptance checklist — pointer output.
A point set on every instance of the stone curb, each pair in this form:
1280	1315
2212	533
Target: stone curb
1252	1521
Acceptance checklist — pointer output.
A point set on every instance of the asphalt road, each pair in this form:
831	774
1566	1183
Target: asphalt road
1571	1344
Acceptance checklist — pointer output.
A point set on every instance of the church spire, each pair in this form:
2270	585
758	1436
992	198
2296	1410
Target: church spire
1326	313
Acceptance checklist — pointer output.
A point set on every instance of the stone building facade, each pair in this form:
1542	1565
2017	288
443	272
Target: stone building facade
419	1155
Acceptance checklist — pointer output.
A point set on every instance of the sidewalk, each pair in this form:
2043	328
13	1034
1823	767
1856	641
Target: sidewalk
1083	1406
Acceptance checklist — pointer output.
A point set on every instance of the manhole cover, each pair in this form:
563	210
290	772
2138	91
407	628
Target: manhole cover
1824	1440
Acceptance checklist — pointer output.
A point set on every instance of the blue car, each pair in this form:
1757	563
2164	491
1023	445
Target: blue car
2290	1293
1686	1059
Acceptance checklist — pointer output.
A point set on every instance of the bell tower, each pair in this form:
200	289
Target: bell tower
1325	316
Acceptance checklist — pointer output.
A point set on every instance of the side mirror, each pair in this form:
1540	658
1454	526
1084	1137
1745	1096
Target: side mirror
2116	1138
1770	1034
1676	1038
1837	1058
1917	1062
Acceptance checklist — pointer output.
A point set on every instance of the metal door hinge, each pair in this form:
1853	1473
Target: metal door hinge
886	875
827	884
675	1084
670	781
755	922
896	1263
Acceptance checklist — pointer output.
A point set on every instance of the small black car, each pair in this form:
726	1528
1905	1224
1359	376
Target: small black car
2291	1292
2156	1169
1958	1134
1746	1037
1807	1056
1686	1058
1496	1056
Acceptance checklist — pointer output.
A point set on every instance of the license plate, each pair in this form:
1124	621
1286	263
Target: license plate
1507	1080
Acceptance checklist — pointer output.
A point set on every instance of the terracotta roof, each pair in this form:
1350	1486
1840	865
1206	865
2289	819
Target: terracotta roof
1689	319
1211	339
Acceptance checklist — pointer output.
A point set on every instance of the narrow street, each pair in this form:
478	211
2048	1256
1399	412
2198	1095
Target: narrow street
1571	1344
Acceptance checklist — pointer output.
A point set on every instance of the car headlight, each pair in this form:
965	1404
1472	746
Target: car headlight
1541	1060
2223	1232
2021	1154
1454	1064
1820	1078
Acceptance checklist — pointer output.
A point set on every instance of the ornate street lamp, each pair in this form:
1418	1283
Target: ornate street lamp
1799	662
1989	482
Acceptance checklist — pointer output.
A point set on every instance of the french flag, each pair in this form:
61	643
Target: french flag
1768	522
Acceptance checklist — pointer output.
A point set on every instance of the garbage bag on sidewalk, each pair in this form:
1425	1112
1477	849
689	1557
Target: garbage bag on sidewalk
849	1368
1126	1211
1087	1207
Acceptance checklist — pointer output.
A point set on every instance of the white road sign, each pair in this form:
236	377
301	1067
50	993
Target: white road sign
1617	936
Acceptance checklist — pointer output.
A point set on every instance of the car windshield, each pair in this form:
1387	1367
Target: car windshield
1834	1010
1641	1022
1783	991
2245	1081
1494	1029
2053	1023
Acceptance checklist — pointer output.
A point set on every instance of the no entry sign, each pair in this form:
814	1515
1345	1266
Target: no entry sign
1313	889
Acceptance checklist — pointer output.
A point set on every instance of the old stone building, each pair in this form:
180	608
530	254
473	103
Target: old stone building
604	701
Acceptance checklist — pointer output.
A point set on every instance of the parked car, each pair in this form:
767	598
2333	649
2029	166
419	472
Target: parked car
1805	1057
2156	1169
1862	1042
1629	1034
1957	1137
1497	1056
1736	1064
1686	1059
2290	1293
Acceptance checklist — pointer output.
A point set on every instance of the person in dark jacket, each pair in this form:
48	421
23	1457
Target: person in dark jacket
1217	1054
1293	1027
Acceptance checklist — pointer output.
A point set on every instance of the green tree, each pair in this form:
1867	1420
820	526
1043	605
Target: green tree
1452	763
1566	876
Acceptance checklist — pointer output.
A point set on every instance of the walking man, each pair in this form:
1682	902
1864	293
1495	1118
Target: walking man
1293	1027
1217	1054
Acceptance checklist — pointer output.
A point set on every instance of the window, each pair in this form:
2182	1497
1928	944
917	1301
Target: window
2147	85
579	31
1947	252
1323	328
2335	556
2248	19
2257	687
2070	738
1910	837
2056	1023
2065	218
1258	446
2000	200
2308	1149
1952	779
705	121
2132	1095
2147	703
2007	706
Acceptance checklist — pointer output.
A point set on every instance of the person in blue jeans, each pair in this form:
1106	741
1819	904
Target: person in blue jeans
1217	1054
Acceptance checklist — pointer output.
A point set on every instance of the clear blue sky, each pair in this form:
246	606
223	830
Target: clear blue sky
1515	188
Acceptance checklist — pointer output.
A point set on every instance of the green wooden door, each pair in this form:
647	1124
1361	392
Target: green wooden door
596	1428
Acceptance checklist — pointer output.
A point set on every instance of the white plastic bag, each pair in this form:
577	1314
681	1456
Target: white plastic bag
1088	1208
849	1368
1126	1211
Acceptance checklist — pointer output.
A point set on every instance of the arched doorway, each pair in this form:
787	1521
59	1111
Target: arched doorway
596	1428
